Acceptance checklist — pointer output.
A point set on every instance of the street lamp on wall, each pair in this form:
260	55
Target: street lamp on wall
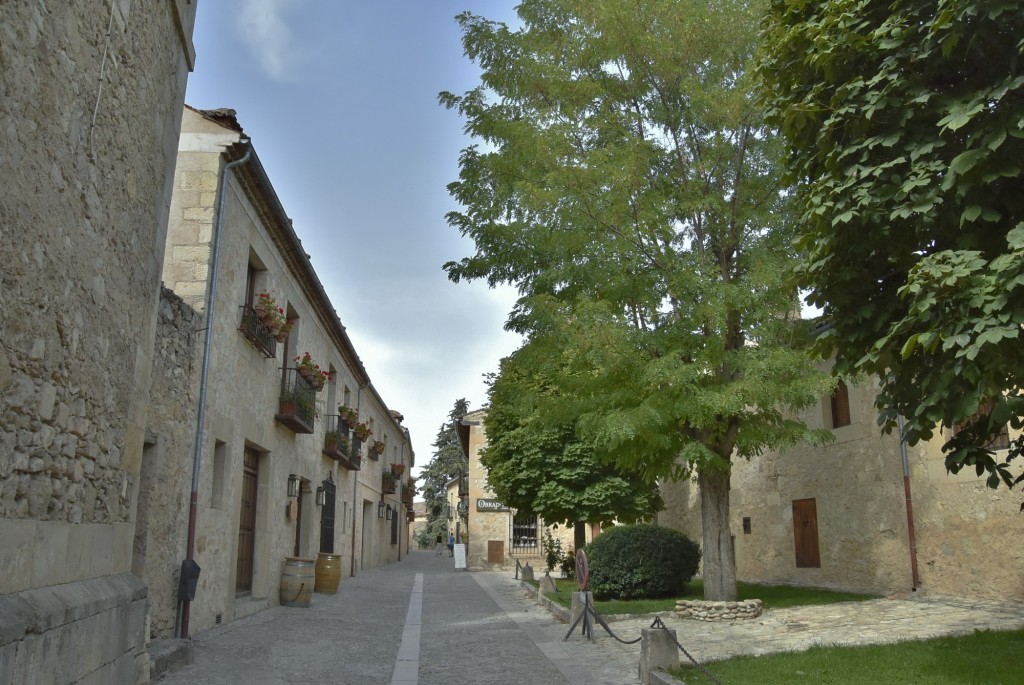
388	514
321	497
293	485
380	509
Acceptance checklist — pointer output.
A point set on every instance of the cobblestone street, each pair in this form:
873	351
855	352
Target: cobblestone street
420	621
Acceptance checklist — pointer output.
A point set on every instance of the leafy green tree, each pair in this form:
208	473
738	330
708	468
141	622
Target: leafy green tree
906	123
626	184
536	463
447	462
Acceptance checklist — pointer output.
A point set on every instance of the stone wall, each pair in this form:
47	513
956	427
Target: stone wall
857	486
90	121
166	476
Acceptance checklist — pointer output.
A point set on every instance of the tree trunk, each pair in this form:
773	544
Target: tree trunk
579	534
719	560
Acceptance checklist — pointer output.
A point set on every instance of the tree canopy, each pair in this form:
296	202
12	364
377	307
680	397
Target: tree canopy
536	463
625	183
447	462
906	127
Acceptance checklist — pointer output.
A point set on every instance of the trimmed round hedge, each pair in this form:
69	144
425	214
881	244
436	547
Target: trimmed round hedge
641	562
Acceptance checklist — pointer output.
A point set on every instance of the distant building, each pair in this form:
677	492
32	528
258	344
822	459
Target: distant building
90	113
497	536
841	515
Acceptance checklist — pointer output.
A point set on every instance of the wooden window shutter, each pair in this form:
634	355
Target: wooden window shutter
841	406
805	533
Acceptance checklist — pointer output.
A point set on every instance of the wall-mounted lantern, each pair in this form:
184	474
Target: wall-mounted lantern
388	514
293	485
380	510
321	497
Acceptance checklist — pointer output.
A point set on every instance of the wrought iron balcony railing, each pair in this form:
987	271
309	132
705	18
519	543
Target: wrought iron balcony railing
257	332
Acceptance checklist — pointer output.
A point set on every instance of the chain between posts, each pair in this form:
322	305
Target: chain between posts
658	623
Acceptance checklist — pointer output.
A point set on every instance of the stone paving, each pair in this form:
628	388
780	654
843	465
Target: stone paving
421	622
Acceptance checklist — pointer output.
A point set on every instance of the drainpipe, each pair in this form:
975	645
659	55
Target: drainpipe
402	461
355	493
910	509
211	297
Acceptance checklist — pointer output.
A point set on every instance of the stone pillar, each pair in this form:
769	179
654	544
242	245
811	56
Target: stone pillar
658	651
578	605
527	572
547	584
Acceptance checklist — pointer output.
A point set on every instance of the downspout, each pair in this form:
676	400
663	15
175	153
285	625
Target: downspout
404	516
910	509
197	455
355	493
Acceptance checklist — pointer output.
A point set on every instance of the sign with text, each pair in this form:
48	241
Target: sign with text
460	556
490	505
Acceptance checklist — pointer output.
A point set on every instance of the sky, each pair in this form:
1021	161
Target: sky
340	100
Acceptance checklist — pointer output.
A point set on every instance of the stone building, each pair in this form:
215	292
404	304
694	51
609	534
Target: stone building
278	472
497	536
841	515
90	106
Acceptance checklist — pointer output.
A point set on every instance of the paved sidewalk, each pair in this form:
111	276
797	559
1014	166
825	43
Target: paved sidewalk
417	621
876	621
421	622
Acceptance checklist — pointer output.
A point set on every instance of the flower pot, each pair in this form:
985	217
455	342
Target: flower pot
398	469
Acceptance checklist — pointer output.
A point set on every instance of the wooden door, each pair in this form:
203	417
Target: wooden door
327	517
805	533
247	522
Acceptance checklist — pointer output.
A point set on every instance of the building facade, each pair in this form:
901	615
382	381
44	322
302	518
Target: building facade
280	472
496	536
849	515
90	113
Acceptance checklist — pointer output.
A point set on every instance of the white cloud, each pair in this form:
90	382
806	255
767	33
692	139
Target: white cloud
267	35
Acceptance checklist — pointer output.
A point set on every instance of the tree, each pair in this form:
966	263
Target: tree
447	462
536	463
628	188
906	123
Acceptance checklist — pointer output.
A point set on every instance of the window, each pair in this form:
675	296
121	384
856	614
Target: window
524	532
840	406
1000	441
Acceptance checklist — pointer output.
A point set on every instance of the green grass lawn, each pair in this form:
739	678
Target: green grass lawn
774	597
984	658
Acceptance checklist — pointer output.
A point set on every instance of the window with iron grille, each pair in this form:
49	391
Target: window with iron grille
1000	441
524	532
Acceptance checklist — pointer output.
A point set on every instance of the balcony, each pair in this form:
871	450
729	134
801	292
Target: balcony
297	404
257	332
337	445
387	483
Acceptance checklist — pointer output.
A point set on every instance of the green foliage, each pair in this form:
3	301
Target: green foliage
567	564
448	461
625	182
641	562
983	658
906	127
536	462
552	551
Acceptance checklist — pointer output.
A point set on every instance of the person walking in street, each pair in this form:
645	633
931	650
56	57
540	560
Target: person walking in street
451	545
437	546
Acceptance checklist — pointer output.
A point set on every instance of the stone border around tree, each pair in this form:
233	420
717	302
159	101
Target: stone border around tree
700	610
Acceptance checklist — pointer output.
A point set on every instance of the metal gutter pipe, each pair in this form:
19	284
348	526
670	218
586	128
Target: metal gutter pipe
355	493
197	456
910	509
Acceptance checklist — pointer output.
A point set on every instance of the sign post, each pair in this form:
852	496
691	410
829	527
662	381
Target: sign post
460	557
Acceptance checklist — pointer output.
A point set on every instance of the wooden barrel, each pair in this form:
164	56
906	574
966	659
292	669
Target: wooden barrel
297	581
328	573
